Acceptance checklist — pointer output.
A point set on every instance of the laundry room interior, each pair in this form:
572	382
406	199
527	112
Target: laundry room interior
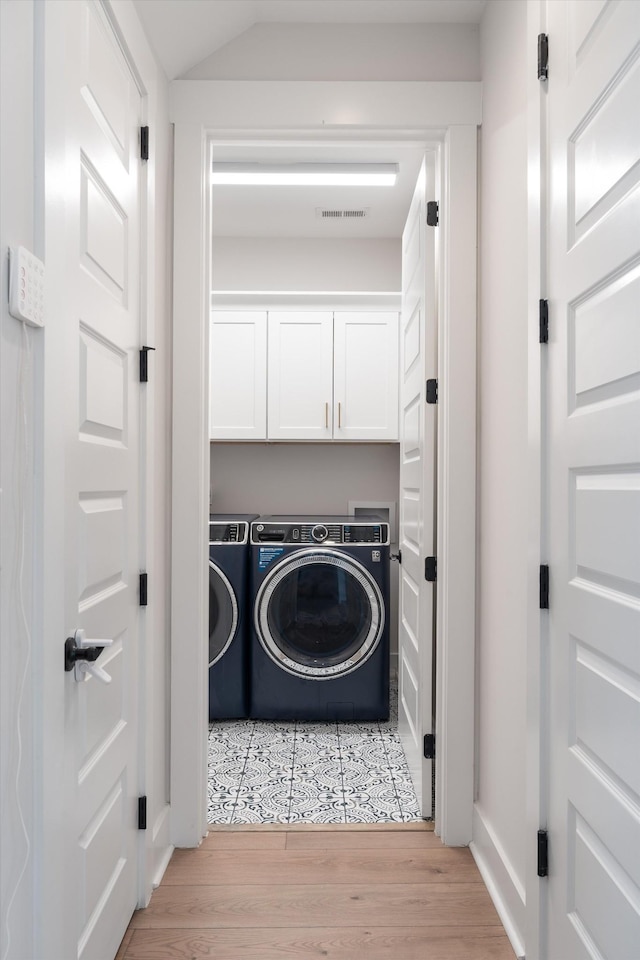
316	258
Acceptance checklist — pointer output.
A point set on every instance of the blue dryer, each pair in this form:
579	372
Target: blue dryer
320	630
228	620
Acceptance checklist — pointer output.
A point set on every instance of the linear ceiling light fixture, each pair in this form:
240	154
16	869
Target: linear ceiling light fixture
305	174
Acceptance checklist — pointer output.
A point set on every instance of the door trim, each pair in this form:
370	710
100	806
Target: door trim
456	493
537	755
444	113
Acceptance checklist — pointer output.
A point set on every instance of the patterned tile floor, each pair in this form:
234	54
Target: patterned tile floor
271	772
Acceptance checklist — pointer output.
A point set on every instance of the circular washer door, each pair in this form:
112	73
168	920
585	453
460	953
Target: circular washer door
223	613
319	614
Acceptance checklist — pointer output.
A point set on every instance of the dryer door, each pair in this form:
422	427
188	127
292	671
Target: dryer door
223	613
319	614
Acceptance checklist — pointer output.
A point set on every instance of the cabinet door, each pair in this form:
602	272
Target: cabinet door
238	375
365	376
300	376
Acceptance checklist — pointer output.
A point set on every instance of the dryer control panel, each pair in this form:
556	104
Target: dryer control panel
232	532
328	531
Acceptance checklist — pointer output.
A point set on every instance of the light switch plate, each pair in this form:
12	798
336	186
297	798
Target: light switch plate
26	287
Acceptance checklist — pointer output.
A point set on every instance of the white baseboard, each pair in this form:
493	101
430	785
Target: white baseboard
162	847
505	889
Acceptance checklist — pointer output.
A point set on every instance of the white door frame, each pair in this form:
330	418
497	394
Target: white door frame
204	111
537	754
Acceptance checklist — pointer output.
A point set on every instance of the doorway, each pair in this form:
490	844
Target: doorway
295	261
456	178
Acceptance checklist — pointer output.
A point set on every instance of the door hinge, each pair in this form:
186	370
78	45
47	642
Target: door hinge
144	143
430	569
543	56
143	589
429	746
144	366
433	213
432	391
142	813
544	586
543	853
397	556
543	312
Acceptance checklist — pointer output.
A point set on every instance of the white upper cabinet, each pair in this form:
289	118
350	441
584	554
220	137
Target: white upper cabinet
304	375
300	392
365	371
238	375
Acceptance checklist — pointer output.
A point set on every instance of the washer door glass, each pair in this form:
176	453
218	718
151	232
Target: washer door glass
223	613
320	614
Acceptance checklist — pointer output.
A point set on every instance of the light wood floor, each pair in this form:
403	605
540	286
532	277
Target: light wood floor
381	892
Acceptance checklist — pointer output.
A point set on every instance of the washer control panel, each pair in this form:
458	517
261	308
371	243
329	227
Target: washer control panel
320	532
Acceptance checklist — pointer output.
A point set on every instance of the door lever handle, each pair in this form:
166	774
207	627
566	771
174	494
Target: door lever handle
80	655
87	669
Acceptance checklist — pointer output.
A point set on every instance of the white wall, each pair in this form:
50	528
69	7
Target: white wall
17	621
273	263
319	51
499	821
301	477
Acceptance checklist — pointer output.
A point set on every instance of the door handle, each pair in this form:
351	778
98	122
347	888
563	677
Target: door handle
87	669
326	416
339	414
80	655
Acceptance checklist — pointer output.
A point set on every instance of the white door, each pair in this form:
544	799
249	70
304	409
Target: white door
300	388
594	480
365	371
99	321
418	359
238	375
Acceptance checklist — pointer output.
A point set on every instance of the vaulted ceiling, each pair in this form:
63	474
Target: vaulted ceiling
184	32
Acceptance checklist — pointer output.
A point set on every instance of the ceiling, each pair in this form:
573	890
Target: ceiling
292	211
184	32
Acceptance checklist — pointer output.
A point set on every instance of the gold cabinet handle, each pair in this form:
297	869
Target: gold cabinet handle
339	414
326	415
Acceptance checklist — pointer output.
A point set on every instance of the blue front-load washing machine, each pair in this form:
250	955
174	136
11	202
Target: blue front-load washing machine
228	620
320	630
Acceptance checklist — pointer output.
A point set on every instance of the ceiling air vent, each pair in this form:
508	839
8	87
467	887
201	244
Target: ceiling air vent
323	214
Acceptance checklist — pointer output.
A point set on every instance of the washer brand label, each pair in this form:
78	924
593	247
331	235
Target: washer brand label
375	556
268	555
